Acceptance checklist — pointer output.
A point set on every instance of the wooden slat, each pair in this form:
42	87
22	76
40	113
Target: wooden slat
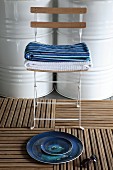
53	109
58	10
22	164
11	113
30	120
11	156
43	114
35	24
7	111
21	115
17	113
101	149
1	101
107	149
27	168
110	138
27	113
38	112
50	114
2	108
87	146
94	148
22	130
80	135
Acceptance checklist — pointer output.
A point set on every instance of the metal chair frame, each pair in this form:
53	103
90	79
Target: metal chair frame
35	24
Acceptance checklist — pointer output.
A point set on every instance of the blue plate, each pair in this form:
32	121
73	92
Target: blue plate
56	146
34	148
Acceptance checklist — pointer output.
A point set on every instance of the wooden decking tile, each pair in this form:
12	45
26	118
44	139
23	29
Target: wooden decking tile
95	114
13	153
93	144
19	113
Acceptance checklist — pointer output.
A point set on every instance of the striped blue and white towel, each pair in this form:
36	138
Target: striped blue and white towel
57	57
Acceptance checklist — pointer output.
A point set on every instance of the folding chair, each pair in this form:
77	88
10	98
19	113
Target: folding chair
57	58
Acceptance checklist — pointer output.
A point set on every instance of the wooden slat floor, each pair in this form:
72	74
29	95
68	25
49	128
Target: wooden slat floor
13	155
19	113
16	116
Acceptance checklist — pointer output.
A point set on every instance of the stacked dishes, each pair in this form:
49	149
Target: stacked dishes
54	147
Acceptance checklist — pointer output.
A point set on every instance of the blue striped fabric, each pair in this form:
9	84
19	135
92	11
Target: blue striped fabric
57	53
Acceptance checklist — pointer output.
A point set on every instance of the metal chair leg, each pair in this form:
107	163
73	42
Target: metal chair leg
79	99
79	90
35	98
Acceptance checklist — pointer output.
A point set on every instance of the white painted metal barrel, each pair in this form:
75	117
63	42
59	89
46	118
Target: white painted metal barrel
15	34
97	83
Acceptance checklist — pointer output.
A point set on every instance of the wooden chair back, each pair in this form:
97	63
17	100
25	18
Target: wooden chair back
36	24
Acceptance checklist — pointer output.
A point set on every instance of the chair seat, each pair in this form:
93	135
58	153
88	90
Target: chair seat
56	58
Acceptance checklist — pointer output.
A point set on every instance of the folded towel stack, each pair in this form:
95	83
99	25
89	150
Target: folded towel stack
57	57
